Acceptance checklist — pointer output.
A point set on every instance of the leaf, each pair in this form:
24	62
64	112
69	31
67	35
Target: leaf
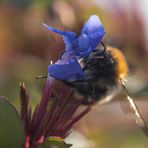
11	129
55	142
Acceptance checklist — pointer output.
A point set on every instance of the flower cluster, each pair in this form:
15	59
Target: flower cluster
67	67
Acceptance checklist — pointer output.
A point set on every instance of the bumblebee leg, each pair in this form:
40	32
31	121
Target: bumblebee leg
88	101
62	54
41	77
103	46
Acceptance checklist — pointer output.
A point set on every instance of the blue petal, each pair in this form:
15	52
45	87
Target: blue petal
83	42
84	54
69	72
66	56
68	37
94	29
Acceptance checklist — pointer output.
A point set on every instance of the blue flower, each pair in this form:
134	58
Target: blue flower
67	67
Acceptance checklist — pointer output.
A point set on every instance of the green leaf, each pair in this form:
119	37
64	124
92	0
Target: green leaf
55	141
11	129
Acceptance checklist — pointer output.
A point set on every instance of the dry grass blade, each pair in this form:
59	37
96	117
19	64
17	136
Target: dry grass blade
129	106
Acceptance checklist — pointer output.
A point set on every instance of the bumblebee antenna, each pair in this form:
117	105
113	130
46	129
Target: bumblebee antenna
137	115
41	77
103	46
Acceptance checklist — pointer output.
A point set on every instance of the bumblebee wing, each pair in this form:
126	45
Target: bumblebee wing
107	99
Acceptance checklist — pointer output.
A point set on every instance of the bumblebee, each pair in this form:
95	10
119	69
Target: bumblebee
103	69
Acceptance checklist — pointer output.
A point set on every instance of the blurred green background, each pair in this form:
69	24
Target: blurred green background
26	49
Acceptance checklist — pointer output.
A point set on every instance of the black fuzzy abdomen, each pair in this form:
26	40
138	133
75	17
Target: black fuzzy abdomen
100	76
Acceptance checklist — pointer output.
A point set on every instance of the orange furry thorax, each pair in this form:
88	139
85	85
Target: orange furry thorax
121	64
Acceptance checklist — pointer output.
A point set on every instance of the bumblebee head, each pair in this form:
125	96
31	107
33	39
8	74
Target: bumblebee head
121	64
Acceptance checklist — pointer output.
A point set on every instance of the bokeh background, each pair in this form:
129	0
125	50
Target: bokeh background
26	49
